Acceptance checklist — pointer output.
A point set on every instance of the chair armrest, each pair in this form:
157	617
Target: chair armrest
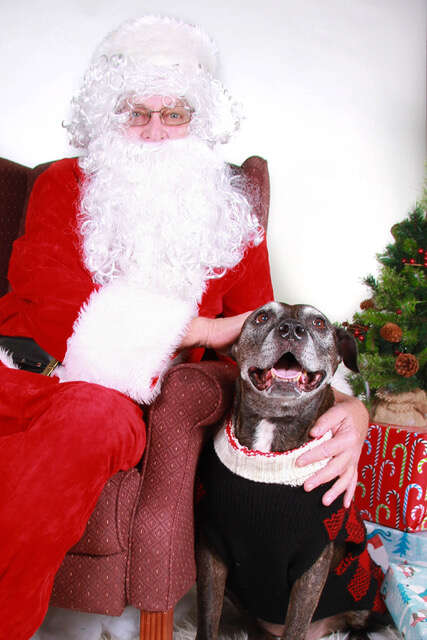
162	565
13	188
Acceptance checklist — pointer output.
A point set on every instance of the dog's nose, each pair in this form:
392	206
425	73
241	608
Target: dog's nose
292	330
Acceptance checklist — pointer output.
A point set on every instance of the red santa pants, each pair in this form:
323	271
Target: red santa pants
59	444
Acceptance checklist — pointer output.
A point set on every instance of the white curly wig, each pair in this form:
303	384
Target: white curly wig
153	55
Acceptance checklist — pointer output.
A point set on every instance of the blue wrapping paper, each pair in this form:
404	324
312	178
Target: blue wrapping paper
392	545
405	594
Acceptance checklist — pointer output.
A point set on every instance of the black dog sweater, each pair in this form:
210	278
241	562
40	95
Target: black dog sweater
270	532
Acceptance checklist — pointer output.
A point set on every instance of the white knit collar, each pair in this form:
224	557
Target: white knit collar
272	467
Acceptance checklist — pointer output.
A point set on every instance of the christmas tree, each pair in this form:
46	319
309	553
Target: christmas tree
391	329
402	547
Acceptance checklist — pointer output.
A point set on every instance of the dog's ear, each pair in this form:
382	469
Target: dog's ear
347	348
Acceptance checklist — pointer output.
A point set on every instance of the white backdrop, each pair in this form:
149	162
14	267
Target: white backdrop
334	93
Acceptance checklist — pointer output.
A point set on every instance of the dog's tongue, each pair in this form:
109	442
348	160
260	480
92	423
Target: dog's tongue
286	373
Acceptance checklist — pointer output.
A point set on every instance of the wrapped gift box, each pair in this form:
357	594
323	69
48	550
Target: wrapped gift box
405	594
387	545
392	486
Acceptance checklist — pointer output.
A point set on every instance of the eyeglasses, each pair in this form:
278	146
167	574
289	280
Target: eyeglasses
169	116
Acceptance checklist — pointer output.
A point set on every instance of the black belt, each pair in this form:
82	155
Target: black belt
26	354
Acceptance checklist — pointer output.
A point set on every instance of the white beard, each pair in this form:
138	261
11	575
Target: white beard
168	216
157	221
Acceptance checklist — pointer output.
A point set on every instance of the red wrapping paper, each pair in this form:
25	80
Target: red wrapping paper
392	482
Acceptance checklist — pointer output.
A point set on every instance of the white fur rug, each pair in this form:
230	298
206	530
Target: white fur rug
62	624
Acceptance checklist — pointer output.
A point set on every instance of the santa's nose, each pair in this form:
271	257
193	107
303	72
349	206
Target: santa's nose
155	130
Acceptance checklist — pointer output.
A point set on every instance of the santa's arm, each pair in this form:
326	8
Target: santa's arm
119	335
251	288
47	278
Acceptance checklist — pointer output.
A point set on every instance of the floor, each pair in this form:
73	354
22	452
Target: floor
61	624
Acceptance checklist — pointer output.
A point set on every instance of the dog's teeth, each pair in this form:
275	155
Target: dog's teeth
286	374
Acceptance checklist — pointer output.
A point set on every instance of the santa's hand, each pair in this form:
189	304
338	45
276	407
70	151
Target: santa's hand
348	420
213	333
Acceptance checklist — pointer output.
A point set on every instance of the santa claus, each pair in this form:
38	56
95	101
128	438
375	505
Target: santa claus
144	247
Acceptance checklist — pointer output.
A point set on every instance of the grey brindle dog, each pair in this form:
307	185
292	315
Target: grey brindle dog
287	356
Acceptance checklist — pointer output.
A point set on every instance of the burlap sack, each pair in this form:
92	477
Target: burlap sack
407	409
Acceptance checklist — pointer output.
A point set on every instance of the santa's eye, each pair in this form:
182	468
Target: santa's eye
319	323
261	318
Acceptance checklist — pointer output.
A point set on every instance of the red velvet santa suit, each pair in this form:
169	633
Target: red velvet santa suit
61	441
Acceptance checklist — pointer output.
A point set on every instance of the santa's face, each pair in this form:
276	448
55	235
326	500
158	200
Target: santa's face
156	130
169	215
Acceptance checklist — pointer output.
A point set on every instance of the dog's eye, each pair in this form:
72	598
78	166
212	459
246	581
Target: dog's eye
319	323
261	317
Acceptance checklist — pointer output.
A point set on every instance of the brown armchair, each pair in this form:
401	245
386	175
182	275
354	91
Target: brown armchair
137	548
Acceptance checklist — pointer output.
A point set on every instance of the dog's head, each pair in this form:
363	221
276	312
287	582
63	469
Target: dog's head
291	352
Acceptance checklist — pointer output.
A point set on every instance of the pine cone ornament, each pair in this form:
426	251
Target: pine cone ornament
367	304
406	365
391	332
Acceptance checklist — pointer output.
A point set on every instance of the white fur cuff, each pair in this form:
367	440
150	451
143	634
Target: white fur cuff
6	359
124	338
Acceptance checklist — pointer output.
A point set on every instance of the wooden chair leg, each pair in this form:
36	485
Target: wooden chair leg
156	625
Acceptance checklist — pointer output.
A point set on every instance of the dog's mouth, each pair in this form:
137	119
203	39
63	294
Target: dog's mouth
287	375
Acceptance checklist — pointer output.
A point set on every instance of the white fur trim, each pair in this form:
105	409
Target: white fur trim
6	359
124	337
277	468
161	41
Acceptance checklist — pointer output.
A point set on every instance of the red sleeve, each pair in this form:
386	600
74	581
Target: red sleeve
252	287
48	280
244	288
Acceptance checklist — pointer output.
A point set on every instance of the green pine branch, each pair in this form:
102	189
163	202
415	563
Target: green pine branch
399	295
